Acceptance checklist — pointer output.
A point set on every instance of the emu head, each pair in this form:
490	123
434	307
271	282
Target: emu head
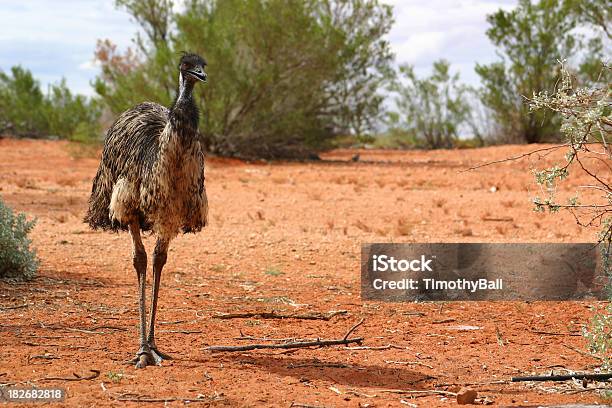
192	68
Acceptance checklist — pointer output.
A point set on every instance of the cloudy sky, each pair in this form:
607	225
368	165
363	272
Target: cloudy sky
56	39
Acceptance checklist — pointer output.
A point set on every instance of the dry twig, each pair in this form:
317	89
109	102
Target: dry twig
96	374
140	398
275	315
419	393
15	307
582	352
295	345
387	347
408	363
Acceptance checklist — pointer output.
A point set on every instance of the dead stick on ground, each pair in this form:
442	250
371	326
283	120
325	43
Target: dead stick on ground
96	374
408	363
582	352
387	347
87	331
419	393
16	307
168	399
274	315
468	384
297	344
545	333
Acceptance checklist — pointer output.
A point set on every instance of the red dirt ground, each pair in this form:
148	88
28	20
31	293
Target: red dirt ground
286	237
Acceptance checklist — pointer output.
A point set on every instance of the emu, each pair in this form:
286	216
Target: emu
151	178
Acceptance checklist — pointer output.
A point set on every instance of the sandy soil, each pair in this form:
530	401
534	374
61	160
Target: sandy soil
286	237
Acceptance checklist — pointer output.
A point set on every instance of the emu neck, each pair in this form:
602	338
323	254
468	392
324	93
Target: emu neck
184	115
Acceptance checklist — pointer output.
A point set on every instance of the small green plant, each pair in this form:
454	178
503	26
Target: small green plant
115	377
17	260
599	336
274	271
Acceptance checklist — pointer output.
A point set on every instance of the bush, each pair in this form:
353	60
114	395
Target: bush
25	111
431	109
587	126
17	259
286	77
531	38
599	336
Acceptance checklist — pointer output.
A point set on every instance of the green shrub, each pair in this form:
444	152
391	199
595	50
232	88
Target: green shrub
586	116
599	336
432	109
17	259
26	111
286	77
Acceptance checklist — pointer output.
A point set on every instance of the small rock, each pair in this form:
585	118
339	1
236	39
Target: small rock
466	396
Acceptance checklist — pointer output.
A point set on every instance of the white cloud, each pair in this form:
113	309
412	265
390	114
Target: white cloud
57	39
449	29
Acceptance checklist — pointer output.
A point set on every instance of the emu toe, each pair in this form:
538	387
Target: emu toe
160	355
149	357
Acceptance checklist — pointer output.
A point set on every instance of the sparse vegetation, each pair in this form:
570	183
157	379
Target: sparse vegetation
274	271
587	126
28	112
431	109
17	259
531	39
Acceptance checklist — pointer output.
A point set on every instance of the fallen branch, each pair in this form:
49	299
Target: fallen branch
498	219
408	363
324	365
300	405
420	314
91	330
295	345
442	321
567	377
274	315
274	339
545	333
387	347
419	393
139	398
471	384
582	352
16	307
585	390
182	331
96	374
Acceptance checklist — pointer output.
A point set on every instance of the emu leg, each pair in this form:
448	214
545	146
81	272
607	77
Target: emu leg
143	357
160	255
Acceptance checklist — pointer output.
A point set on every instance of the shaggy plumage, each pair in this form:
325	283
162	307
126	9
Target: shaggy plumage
152	173
151	178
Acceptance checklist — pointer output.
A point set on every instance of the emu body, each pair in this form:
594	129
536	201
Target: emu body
151	178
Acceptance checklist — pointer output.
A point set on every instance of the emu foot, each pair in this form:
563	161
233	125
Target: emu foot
148	356
162	356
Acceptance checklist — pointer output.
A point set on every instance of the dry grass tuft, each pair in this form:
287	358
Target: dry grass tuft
26	183
439	202
362	226
404	227
464	232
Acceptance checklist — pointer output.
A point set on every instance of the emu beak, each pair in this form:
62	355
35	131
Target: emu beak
199	74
